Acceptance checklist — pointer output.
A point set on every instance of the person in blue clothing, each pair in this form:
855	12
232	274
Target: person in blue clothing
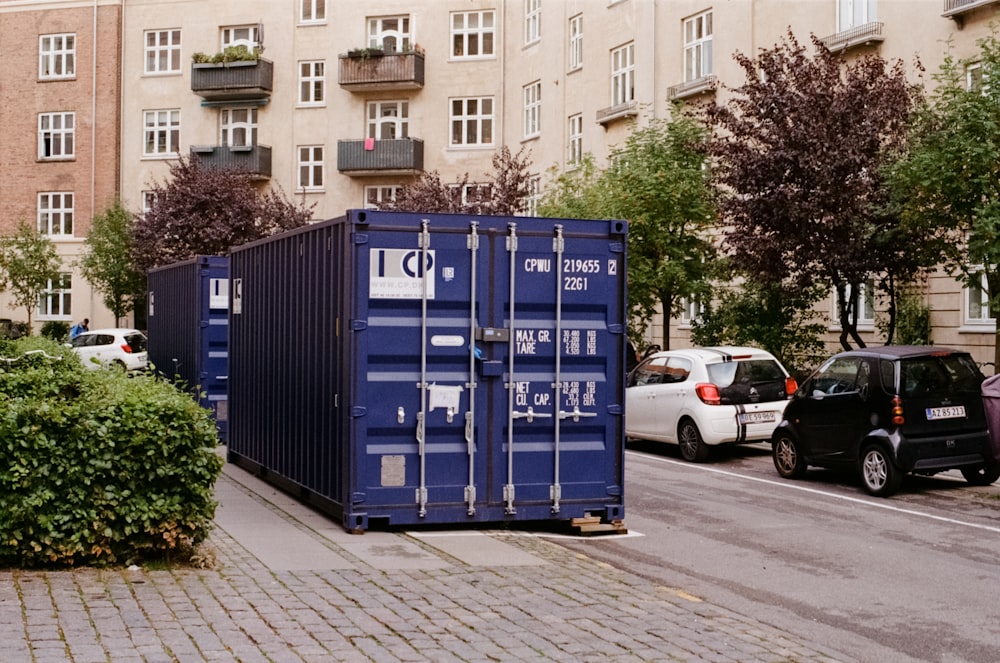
79	328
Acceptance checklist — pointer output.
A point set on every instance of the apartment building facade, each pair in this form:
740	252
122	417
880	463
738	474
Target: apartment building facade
350	101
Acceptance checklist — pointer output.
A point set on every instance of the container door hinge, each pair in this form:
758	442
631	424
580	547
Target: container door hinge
508	498
555	494
422	501
470	499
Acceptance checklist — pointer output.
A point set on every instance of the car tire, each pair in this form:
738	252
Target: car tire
693	447
788	459
982	476
879	473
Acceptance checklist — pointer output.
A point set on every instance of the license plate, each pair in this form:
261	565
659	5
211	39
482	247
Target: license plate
757	418
952	412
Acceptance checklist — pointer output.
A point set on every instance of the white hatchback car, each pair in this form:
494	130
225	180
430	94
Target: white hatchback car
112	347
703	397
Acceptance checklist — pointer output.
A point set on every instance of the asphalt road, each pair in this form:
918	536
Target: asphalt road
912	578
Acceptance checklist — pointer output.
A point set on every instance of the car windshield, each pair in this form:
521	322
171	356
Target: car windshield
754	371
939	375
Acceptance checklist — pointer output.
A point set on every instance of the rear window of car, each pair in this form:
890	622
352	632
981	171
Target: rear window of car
939	375
754	370
137	342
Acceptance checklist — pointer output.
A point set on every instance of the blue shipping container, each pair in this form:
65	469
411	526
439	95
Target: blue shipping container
396	368
188	329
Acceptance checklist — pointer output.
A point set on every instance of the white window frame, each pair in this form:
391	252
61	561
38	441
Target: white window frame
312	11
575	140
976	304
623	74
312	170
698	46
473	34
692	310
387	120
399	37
975	77
576	42
238	126
233	35
56	136
161	133
312	83
866	313
55	213
162	52
852	13
56	302
381	193
533	197
148	200
532	21
464	120
533	109
57	56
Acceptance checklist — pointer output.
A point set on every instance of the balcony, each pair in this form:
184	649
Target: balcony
369	70
957	9
402	156
692	88
255	160
233	81
861	35
605	116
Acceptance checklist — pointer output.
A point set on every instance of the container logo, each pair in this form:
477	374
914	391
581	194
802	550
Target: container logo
400	274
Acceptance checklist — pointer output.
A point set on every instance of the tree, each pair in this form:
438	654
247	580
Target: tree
657	181
107	261
800	147
30	264
203	211
948	182
503	193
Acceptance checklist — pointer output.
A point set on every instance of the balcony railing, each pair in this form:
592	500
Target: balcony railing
255	160
861	35
692	88
233	81
392	71
956	8
612	113
402	156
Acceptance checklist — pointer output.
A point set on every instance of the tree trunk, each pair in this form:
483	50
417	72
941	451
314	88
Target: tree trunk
667	303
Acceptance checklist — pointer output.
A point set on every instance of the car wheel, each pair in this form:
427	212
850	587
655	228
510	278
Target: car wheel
788	459
693	448
982	476
879	474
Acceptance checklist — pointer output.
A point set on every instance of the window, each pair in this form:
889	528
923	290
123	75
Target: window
55	136
55	214
473	193
532	109
312	83
238	127
864	302
163	51
977	302
691	310
532	21
472	121
376	196
241	35
472	34
162	133
313	11
311	167
390	33
534	195
623	75
576	42
698	47
388	120
56	301
575	156
852	13
975	78
56	56
148	200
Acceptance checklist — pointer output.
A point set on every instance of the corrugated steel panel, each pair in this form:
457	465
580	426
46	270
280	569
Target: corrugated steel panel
188	329
395	368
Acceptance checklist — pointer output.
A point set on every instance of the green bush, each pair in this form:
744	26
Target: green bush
57	330
98	467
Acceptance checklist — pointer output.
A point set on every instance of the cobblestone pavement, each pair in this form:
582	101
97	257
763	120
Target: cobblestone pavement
545	603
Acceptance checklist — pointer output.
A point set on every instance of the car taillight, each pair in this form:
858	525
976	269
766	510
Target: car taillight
791	386
708	393
127	348
897	411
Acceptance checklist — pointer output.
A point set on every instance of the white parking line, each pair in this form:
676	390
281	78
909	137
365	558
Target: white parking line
806	489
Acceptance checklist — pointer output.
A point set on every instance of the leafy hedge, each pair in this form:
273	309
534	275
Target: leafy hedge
98	467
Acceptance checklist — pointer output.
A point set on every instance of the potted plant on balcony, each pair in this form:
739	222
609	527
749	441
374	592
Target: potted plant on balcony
230	55
365	53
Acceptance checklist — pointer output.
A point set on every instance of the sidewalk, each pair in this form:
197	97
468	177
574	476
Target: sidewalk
292	585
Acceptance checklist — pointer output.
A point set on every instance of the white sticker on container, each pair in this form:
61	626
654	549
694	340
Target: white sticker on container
397	274
443	341
446	397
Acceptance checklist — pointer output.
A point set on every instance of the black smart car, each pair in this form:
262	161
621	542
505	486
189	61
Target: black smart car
888	411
